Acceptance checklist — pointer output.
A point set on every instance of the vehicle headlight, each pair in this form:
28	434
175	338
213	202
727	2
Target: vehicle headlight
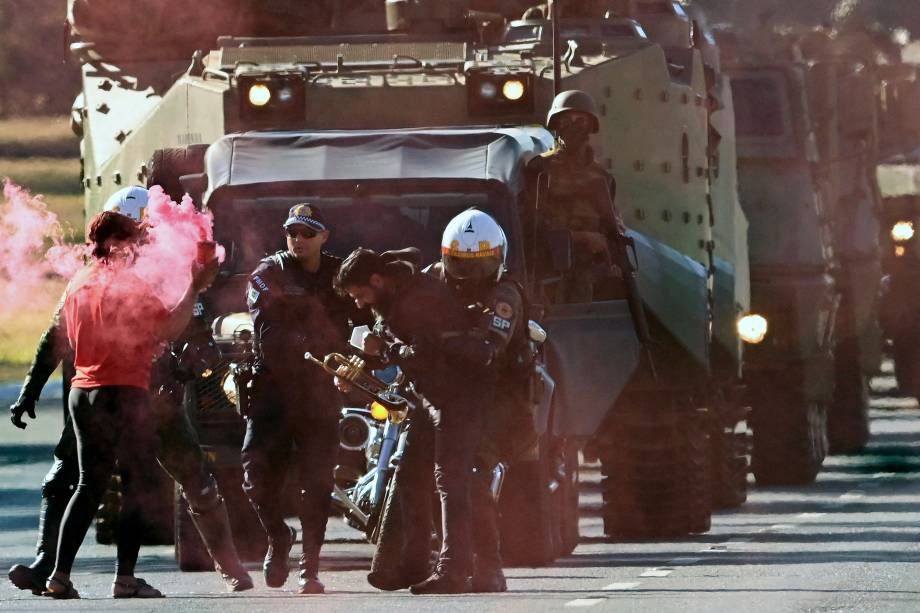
354	432
259	94
491	92
378	411
513	89
902	231
228	385
752	328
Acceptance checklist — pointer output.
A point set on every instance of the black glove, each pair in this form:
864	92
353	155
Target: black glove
23	405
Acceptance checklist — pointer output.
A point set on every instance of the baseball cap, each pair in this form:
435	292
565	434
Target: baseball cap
305	214
130	201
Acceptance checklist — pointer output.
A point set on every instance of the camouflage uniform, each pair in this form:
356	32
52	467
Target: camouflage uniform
576	194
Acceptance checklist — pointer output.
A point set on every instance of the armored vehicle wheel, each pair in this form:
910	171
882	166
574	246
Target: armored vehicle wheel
191	554
848	419
157	519
907	365
729	467
656	473
167	165
528	513
790	438
567	499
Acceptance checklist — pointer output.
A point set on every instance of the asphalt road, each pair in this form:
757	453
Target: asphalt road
850	542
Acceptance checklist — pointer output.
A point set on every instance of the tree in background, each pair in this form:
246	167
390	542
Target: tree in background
37	74
884	15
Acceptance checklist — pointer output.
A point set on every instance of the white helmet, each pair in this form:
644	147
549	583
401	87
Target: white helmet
130	201
473	246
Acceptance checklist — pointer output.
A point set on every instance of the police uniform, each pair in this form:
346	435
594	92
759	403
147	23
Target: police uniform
500	318
577	194
178	452
293	402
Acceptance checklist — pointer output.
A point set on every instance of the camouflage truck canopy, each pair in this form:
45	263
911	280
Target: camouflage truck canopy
485	154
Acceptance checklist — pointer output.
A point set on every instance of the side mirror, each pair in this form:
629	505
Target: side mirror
559	251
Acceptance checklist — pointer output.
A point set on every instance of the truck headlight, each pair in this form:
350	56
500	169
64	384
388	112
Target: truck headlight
752	328
902	231
259	94
499	93
354	432
275	100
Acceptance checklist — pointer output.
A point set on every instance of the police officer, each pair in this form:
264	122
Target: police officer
294	310
179	453
576	194
425	329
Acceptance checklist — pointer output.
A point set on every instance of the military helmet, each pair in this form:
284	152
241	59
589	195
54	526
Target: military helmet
473	247
572	100
130	201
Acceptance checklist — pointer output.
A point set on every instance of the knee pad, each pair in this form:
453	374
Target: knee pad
61	480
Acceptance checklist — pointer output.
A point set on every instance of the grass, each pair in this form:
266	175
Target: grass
38	136
43	175
31	156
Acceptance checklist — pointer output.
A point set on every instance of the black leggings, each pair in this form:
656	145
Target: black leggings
111	423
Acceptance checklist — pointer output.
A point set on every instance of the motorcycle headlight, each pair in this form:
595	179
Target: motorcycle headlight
354	432
902	231
752	328
228	385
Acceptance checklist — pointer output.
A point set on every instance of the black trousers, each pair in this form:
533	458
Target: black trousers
111	423
448	439
284	432
178	452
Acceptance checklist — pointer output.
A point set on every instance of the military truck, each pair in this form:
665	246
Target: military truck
806	128
899	183
396	119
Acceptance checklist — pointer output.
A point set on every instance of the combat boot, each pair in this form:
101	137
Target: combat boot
402	577
214	527
489	579
276	567
309	574
34	576
443	582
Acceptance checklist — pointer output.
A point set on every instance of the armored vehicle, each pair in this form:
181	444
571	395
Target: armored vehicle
899	183
395	119
806	146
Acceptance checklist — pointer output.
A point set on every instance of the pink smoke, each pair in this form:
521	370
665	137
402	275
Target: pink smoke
33	249
165	260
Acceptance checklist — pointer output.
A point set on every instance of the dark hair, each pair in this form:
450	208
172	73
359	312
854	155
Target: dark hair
357	269
109	224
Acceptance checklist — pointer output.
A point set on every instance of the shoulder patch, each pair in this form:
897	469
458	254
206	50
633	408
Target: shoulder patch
504	310
252	296
259	283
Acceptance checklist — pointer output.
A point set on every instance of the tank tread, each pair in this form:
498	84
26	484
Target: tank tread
656	475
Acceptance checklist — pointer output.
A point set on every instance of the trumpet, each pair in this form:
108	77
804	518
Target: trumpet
353	370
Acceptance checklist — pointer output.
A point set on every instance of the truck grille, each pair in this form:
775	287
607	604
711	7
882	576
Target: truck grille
212	403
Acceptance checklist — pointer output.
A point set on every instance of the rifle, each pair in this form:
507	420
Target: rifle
622	244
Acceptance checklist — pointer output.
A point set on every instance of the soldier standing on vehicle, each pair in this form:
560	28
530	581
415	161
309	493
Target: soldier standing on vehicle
109	402
575	193
179	454
429	335
292	402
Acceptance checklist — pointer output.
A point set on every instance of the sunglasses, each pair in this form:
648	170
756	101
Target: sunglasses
305	233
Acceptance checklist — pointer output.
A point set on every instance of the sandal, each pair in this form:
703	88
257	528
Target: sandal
60	589
134	588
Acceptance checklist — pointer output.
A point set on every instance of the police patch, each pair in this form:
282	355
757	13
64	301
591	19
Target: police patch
501	324
258	282
504	310
252	296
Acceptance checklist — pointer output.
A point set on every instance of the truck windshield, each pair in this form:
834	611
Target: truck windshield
250	226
